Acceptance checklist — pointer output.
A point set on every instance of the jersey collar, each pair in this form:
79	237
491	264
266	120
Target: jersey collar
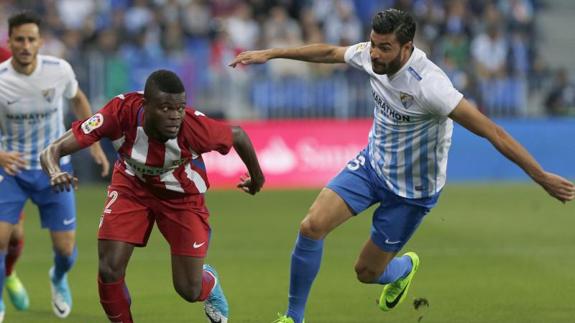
36	70
414	55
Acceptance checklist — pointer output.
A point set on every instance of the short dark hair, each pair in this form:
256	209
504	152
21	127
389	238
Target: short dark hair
395	21
21	18
163	80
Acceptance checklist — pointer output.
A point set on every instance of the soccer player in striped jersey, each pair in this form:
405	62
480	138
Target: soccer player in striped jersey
403	166
32	92
160	177
16	291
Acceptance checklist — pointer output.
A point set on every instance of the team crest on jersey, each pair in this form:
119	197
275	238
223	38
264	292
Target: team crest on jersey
93	123
406	99
360	47
49	94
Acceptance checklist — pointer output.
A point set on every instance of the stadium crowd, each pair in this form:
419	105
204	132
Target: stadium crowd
488	49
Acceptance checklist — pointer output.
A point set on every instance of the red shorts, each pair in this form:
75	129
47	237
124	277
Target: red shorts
129	216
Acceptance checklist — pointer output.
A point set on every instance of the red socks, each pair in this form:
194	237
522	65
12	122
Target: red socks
14	251
115	300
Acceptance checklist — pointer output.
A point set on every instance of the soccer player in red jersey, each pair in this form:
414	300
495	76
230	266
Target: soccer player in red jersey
160	177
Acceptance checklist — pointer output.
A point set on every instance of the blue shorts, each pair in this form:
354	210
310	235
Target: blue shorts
396	218
57	210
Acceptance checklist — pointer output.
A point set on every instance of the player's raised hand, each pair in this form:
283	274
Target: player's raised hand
558	187
251	185
100	158
251	57
12	162
63	181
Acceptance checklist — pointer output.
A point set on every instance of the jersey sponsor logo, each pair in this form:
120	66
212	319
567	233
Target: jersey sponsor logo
406	99
49	94
386	109
30	116
178	162
154	171
197	245
93	123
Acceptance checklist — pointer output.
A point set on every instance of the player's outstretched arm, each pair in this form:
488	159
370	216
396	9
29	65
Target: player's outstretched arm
254	180
315	53
82	110
50	161
469	117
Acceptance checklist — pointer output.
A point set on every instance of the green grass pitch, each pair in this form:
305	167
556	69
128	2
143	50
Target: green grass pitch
490	253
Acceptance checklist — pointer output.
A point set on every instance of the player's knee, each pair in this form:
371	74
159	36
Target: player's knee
365	274
312	228
65	249
189	292
14	240
17	235
110	273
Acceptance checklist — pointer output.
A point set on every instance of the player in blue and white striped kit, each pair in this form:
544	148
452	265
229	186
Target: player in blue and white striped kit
32	92
403	167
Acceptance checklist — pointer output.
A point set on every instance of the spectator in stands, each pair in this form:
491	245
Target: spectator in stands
561	98
180	33
74	13
243	30
195	16
342	26
138	17
489	52
283	31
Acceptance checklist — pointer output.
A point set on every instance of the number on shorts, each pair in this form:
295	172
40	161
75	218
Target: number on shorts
113	195
355	163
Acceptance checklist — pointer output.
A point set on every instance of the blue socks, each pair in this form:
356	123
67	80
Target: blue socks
2	271
398	267
305	262
62	264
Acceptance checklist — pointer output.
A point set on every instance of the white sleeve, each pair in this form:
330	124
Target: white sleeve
358	56
439	95
71	83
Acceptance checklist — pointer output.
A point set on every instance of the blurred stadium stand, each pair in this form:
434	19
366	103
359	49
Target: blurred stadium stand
490	49
512	57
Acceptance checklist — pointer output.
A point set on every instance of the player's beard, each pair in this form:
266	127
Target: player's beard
389	68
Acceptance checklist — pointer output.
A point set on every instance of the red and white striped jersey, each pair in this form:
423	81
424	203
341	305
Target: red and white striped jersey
172	166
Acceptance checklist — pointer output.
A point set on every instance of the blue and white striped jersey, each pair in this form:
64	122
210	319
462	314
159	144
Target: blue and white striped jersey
411	132
31	106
